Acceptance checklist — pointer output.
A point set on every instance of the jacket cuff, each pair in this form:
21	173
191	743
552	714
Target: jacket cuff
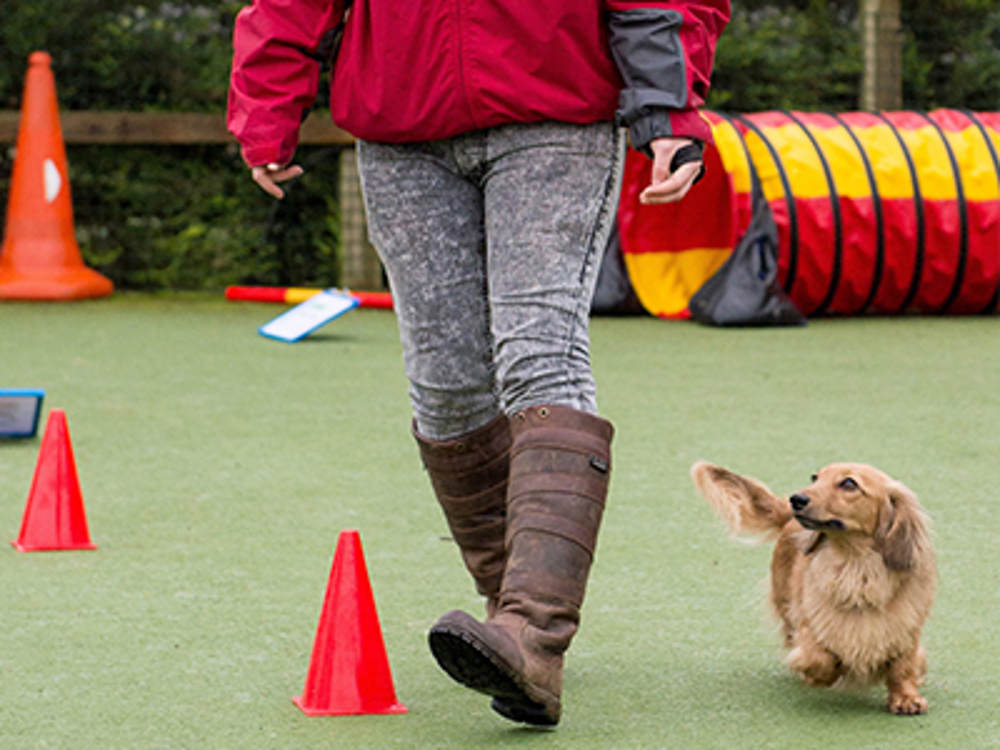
667	123
258	155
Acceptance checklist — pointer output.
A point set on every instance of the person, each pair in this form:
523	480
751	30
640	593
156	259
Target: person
490	142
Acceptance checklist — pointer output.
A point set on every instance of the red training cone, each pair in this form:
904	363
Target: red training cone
349	671
54	518
40	258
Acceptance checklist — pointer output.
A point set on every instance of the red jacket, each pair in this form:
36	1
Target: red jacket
411	70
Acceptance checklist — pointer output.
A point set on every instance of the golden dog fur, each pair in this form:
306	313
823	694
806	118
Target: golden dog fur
852	573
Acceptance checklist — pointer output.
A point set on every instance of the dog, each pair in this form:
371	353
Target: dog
852	573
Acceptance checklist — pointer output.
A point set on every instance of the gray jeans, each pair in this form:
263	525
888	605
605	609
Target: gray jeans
492	241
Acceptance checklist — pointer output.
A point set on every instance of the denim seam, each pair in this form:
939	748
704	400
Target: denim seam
600	228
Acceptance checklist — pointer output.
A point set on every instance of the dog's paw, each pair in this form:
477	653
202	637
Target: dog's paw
906	704
815	668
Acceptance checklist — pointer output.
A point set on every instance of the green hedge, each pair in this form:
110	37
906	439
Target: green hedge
190	217
180	218
121	55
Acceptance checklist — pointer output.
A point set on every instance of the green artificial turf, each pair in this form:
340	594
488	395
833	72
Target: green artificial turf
219	467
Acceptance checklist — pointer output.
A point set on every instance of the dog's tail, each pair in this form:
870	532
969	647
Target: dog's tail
746	504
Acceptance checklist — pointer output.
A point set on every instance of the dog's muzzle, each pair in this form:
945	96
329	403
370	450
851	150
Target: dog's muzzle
813	525
799	503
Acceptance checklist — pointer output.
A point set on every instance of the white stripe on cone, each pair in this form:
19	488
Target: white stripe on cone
53	180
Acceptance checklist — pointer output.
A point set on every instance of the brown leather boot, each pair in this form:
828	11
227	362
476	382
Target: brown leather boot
559	472
469	476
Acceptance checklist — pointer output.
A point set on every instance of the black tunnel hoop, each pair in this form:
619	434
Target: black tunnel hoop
754	179
838	229
963	218
991	306
879	269
793	220
918	212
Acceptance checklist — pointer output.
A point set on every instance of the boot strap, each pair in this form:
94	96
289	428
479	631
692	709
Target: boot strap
473	535
523	487
562	441
464	507
584	535
467	452
543	589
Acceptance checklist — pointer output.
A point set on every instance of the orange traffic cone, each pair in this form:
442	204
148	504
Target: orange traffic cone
349	671
54	518
40	258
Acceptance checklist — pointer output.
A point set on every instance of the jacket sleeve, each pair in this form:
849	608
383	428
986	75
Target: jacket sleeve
275	74
665	52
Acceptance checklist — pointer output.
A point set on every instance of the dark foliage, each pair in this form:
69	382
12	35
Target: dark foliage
190	217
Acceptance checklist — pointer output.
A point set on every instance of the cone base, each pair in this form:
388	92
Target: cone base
47	548
395	708
58	284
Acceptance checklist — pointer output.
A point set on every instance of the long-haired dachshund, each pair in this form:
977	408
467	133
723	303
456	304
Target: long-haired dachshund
852	574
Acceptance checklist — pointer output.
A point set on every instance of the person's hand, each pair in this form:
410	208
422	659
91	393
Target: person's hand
269	175
666	186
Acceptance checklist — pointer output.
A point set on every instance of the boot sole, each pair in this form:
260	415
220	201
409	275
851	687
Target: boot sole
525	713
470	662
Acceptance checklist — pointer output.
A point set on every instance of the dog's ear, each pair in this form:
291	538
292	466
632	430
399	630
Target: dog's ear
902	530
747	505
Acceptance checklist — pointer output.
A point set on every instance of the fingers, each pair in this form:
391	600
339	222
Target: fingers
667	186
673	188
270	175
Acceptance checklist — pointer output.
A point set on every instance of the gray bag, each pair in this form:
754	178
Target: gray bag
745	290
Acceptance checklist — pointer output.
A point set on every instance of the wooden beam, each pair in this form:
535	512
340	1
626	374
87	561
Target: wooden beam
360	267
882	42
163	128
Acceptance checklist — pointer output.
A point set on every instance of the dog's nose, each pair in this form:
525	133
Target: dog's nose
798	501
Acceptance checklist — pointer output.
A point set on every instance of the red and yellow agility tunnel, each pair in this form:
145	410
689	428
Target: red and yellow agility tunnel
876	212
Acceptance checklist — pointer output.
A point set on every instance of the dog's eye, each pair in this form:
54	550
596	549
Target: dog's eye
848	484
814	477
